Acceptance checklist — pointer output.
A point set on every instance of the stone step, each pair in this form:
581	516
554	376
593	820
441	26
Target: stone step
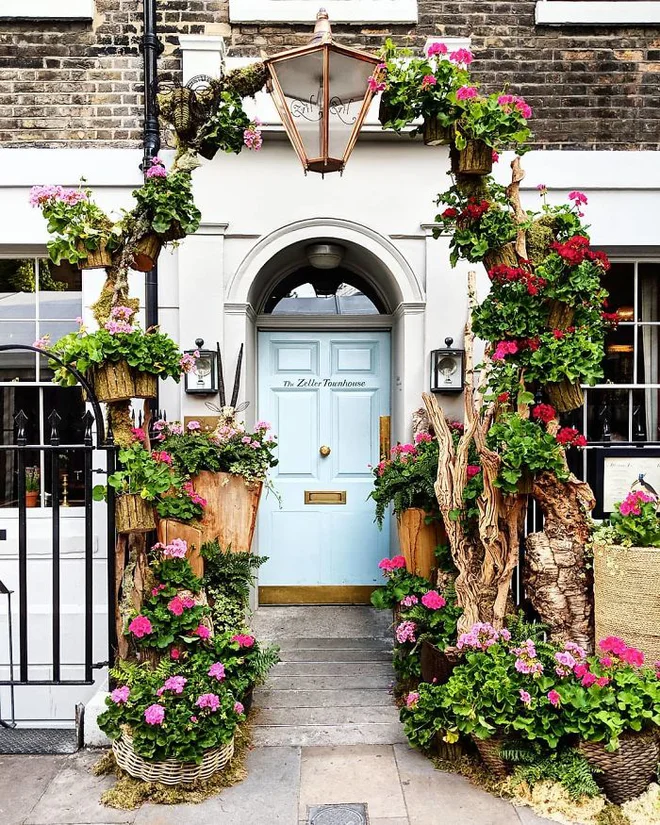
334	669
387	733
370	681
360	715
324	643
335	655
301	698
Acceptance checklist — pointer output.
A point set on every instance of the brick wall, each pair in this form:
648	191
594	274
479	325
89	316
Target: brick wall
80	83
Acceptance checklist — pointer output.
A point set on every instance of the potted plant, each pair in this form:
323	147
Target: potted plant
32	486
228	128
627	573
122	360
612	702
84	235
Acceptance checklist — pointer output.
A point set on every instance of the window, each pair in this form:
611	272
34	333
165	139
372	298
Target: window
595	12
340	11
333	292
47	9
37	299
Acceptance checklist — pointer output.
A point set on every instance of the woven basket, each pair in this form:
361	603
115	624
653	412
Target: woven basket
437	665
475	159
565	396
133	514
561	315
435	134
628	771
170	771
119	382
489	751
146	253
97	259
504	256
627	596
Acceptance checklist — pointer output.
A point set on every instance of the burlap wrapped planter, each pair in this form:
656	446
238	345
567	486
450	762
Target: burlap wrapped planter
116	381
504	256
565	396
490	753
96	259
435	134
146	253
437	665
628	771
475	159
133	514
170	771
627	596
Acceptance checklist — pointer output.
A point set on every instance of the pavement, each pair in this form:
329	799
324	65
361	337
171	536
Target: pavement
326	733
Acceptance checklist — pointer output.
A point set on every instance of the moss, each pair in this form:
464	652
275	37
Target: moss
128	793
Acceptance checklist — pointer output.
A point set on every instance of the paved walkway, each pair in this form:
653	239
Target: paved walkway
398	786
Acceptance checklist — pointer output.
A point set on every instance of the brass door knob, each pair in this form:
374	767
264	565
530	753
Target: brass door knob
325	451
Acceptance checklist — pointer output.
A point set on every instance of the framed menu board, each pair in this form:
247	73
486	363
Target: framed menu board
619	468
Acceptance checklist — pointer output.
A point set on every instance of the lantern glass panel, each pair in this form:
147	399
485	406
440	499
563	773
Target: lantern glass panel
348	87
301	80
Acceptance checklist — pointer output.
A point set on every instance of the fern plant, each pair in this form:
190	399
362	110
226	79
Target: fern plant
566	766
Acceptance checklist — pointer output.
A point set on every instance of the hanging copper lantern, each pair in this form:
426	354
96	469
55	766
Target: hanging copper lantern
322	92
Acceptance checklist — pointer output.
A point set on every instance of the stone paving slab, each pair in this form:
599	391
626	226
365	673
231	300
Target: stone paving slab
23	780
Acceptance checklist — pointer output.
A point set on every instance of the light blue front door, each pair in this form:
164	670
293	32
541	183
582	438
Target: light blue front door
321	390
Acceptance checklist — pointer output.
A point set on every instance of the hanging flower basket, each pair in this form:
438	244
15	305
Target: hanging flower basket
490	753
146	253
565	395
230	514
475	159
418	541
561	315
627	596
628	771
435	134
504	256
170	771
116	381
133	514
96	259
437	665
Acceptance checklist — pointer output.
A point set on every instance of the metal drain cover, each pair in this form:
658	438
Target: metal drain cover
338	815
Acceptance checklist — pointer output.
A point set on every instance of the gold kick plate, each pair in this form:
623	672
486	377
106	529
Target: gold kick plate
325	496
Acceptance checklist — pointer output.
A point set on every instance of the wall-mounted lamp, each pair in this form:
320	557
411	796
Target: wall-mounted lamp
447	368
203	380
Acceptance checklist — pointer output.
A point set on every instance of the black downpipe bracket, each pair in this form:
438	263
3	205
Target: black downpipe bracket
151	47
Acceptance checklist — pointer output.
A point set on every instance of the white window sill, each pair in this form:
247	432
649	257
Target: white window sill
47	9
597	13
339	11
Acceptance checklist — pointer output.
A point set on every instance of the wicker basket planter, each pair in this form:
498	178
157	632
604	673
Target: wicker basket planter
437	665
116	381
435	134
475	159
561	315
146	253
504	256
490	753
133	514
565	396
628	771
418	541
170	771
627	596
97	259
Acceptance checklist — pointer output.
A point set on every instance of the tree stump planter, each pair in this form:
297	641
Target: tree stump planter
133	514
490	753
475	159
170	771
628	771
437	665
561	315
146	253
230	514
418	541
96	259
435	134
169	529
504	256
116	381
627	596
565	396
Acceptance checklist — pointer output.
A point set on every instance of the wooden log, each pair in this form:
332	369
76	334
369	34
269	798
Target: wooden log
418	541
230	514
169	529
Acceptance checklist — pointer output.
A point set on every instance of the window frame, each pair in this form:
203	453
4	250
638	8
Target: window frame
47	9
597	12
340	11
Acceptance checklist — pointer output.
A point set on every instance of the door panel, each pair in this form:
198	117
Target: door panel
323	389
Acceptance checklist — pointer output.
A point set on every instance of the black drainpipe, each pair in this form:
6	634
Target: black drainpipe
151	47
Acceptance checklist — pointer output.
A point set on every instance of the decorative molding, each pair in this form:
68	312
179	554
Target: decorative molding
47	9
340	11
597	12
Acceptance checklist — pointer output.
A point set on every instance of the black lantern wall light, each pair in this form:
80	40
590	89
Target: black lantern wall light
322	93
447	368
203	380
